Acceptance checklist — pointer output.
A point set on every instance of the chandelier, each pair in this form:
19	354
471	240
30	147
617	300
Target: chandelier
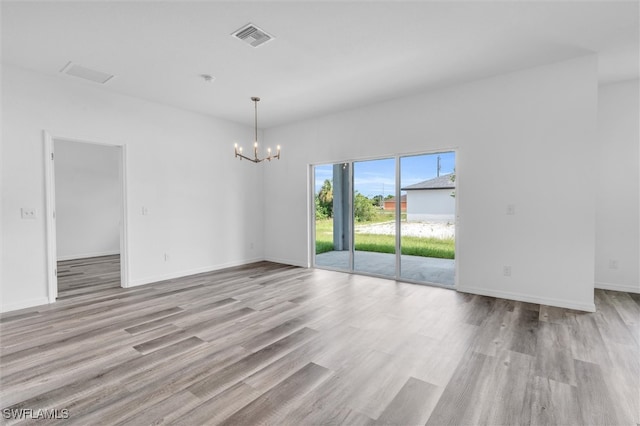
255	158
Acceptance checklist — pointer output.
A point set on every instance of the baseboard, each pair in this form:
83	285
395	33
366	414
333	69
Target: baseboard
188	272
559	303
618	287
286	261
24	304
87	255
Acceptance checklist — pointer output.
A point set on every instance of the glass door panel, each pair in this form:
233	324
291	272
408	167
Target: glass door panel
374	217
427	229
332	216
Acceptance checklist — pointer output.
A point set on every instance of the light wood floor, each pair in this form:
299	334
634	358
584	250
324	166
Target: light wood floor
80	277
280	345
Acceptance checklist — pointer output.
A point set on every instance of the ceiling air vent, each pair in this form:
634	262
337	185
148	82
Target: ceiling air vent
86	73
253	35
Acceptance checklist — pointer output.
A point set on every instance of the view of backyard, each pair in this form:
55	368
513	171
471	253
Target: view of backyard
356	227
378	235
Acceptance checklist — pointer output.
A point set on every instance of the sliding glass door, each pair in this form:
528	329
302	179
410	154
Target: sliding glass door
391	217
374	226
427	232
333	216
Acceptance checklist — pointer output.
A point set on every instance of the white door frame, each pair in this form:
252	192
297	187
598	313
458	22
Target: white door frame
50	216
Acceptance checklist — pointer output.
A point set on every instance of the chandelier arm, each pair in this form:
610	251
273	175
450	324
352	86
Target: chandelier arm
253	160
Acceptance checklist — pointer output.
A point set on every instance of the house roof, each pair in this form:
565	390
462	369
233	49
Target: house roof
440	182
403	198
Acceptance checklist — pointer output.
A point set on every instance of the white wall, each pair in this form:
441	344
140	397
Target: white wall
204	206
618	188
431	205
517	133
88	194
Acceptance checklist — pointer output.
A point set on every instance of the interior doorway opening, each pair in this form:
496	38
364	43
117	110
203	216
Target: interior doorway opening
86	220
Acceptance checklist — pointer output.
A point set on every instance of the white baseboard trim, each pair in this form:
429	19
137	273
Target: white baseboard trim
618	287
24	304
286	261
559	303
87	255
186	273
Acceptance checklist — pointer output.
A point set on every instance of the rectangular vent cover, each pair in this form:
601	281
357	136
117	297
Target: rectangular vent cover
253	35
86	73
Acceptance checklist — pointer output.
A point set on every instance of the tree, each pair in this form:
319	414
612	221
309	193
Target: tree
378	200
324	201
326	192
363	208
321	212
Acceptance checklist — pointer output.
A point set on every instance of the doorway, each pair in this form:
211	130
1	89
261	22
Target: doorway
392	217
86	221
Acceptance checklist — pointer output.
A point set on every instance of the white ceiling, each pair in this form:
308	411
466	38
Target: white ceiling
327	56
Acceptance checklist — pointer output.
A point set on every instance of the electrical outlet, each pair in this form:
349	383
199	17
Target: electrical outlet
511	209
28	213
145	211
506	271
251	245
166	257
613	264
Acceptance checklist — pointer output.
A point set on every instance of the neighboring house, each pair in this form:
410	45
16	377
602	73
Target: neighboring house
431	200
390	204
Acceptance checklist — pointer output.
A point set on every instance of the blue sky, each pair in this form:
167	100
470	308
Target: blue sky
378	176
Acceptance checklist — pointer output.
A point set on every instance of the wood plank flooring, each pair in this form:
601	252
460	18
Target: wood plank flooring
79	277
275	344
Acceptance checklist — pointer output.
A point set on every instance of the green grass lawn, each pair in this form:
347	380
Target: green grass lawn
385	216
324	235
414	246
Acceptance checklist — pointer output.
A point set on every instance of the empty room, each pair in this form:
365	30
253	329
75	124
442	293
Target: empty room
320	212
